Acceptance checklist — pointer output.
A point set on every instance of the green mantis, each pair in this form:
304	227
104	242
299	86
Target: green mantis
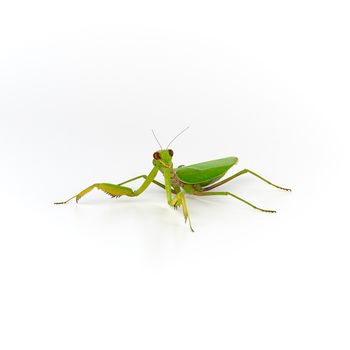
196	179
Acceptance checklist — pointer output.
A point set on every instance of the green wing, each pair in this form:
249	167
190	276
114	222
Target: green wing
205	173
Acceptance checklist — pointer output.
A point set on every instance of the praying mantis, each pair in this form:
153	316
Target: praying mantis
196	179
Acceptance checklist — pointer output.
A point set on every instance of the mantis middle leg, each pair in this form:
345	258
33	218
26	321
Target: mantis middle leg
145	177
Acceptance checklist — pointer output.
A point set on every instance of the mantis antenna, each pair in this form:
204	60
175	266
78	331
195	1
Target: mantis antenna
157	139
176	137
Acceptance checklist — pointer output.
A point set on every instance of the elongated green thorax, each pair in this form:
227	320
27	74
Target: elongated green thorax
162	159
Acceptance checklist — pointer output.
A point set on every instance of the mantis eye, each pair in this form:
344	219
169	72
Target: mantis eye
171	152
156	155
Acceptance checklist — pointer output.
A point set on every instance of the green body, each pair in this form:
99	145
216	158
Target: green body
196	179
205	173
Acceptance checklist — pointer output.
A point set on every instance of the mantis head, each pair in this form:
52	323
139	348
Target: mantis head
163	157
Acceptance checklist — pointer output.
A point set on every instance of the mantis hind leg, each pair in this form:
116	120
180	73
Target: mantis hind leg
242	172
234	196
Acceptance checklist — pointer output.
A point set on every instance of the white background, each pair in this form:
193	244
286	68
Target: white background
81	86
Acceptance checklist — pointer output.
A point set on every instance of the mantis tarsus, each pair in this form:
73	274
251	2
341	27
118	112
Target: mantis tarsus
196	179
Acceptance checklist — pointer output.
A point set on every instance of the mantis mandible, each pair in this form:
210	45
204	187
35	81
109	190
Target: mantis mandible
196	179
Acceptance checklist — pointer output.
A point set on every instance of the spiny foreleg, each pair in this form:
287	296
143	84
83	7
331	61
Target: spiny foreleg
178	200
116	190
110	189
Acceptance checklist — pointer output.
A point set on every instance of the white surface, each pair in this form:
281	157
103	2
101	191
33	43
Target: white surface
81	86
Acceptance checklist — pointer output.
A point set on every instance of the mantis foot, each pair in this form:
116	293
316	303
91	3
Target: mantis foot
177	202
